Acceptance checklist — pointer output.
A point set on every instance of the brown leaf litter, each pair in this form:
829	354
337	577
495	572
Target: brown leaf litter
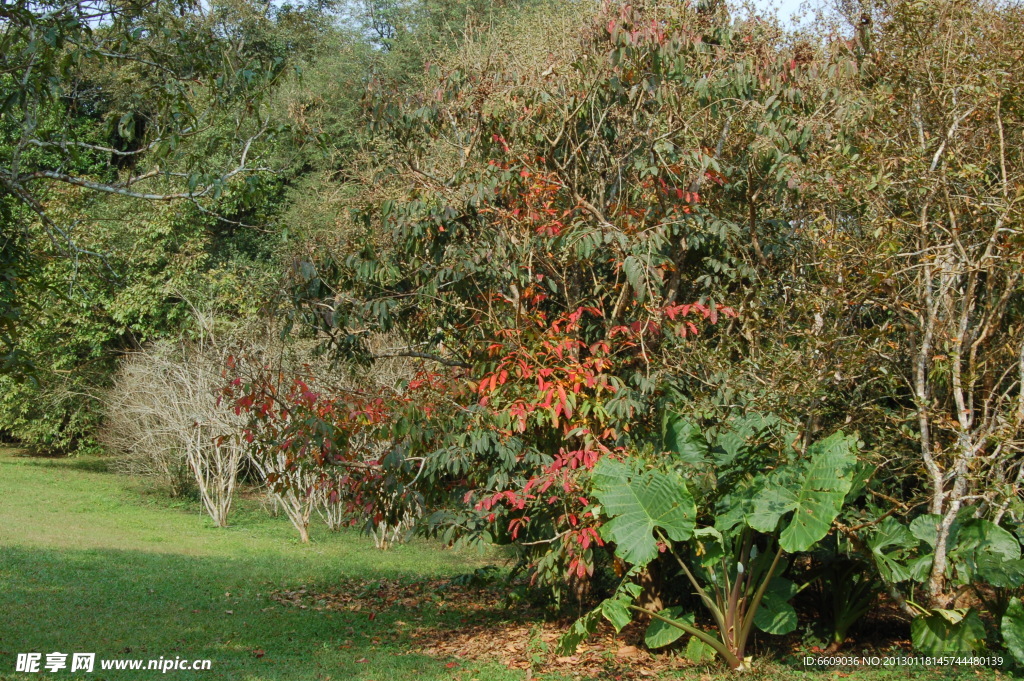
518	637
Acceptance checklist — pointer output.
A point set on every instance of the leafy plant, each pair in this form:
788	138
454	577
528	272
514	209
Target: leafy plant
734	562
846	591
1012	629
982	557
943	632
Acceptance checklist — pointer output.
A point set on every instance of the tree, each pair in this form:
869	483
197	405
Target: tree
572	219
153	102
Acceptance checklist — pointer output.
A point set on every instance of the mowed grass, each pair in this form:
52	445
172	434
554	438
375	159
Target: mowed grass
91	562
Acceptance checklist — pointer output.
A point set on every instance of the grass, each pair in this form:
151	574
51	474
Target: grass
90	562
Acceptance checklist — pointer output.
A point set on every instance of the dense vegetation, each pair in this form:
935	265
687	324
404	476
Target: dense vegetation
692	311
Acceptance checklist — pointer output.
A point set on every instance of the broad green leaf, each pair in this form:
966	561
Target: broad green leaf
985	551
638	503
615	610
1006	574
888	544
661	633
919	568
948	632
698	651
983	536
684	438
776	615
1012	629
813	492
925	527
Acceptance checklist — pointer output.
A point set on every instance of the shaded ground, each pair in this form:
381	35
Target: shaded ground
487	630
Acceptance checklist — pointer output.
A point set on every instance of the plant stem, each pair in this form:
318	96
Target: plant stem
720	647
755	602
708	603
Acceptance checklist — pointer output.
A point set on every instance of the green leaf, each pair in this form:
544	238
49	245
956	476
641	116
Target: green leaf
638	503
891	534
978	536
984	551
616	611
925	528
661	633
1012	629
813	492
948	632
579	632
698	651
1005	574
636	275
684	439
738	436
862	474
776	615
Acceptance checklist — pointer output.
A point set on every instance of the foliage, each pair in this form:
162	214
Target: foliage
1012	629
943	632
639	268
735	572
847	590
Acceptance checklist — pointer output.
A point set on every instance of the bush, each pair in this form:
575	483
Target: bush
166	420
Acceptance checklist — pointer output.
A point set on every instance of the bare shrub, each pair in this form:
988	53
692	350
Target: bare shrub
331	510
402	518
166	419
137	430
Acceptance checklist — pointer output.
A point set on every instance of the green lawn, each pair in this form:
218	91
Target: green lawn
90	562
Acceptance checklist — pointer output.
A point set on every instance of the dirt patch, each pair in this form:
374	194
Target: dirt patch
518	637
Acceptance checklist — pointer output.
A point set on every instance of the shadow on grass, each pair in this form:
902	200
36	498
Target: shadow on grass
127	604
89	464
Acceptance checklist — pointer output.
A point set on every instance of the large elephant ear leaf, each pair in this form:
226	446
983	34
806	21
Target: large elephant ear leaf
984	551
660	633
1012	629
888	545
776	614
638	503
943	632
684	439
813	491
